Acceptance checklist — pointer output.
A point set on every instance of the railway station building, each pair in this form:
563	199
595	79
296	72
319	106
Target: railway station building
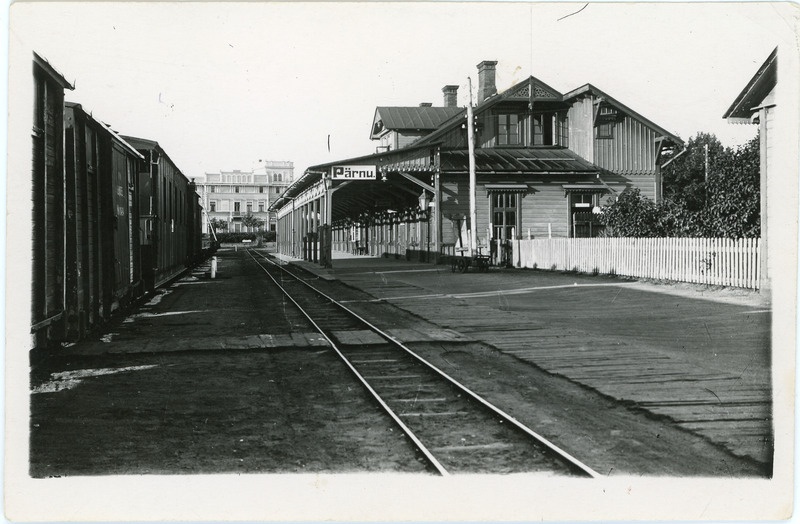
544	164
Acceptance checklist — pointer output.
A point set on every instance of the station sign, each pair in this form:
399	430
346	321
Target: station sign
354	173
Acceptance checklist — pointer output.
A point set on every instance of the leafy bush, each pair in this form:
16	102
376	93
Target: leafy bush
632	215
725	205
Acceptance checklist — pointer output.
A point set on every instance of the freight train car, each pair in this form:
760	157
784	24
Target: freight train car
111	220
102	262
47	297
169	215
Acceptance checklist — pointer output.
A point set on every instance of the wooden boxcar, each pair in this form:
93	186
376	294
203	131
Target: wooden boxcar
169	214
102	262
47	297
111	220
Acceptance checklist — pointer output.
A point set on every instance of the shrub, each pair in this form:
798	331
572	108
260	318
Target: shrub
235	238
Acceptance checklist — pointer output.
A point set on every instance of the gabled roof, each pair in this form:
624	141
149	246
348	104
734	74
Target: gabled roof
543	160
756	90
541	92
423	118
590	89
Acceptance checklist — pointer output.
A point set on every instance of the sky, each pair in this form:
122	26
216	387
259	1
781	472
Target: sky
222	86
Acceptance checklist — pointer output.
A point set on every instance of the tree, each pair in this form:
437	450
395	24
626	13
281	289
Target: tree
734	194
251	221
219	225
684	179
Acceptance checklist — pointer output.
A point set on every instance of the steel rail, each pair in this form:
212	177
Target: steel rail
424	450
522	427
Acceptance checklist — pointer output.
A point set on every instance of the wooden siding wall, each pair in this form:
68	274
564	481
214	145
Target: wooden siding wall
581	133
455	201
406	139
631	151
456	138
767	158
544	209
645	183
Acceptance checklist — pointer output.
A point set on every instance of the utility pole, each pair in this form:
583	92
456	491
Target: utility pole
473	213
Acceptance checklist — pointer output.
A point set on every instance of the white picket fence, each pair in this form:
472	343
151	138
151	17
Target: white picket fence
716	261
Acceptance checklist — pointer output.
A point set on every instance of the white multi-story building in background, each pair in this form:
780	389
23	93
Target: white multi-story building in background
228	197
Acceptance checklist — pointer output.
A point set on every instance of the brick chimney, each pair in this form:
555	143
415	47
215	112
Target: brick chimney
486	83
450	96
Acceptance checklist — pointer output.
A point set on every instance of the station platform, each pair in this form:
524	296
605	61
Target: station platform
698	355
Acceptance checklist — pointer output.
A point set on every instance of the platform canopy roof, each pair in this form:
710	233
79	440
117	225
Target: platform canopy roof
412	158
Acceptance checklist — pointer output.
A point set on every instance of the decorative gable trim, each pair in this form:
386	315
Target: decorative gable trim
539	93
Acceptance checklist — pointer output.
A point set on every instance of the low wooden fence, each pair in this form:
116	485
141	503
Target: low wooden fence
715	261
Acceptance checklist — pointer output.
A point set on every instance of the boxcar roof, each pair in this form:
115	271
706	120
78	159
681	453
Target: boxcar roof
107	128
145	143
52	72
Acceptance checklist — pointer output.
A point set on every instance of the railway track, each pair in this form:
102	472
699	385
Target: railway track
453	429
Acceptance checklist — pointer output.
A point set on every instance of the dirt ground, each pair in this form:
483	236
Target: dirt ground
205	412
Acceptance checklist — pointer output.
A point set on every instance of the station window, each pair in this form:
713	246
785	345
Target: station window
212	206
606	118
237	207
509	130
505	214
236	189
261	207
543	129
582	221
249	207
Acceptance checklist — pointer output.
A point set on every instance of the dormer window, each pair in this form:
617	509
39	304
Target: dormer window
604	123
543	129
550	129
509	130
